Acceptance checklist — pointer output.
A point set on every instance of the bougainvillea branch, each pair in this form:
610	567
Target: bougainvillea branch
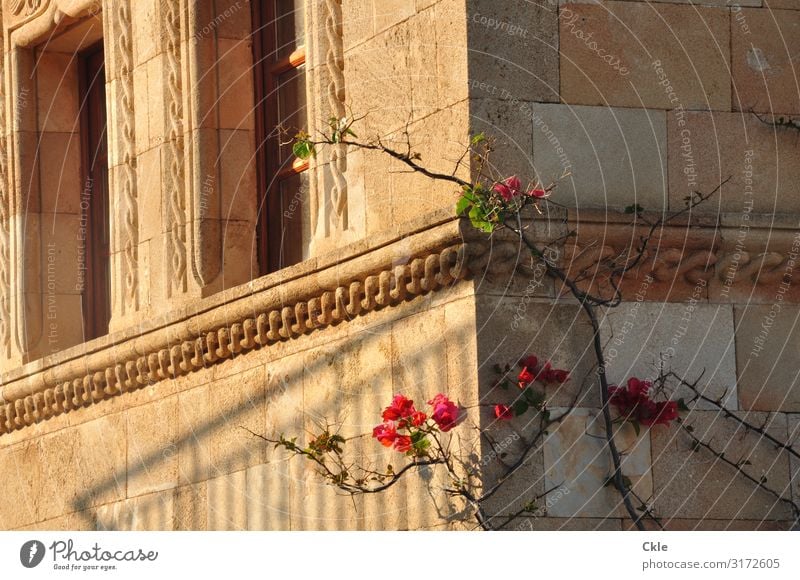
492	202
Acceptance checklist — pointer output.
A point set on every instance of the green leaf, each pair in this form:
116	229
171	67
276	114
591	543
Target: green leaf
636	427
303	149
477	138
463	205
520	408
635	208
533	398
682	406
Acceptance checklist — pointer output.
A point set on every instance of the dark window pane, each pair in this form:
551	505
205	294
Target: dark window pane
289	26
291	106
293	192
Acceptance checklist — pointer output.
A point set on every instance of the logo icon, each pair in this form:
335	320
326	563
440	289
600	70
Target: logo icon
31	553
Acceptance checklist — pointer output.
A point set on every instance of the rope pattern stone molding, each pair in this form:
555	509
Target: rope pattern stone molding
176	238
5	254
386	288
336	100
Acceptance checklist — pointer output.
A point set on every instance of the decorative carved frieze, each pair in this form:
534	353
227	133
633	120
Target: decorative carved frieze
24	7
334	61
363	294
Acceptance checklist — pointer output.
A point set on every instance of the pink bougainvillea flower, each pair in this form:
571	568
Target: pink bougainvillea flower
525	378
386	433
537	192
509	188
400	408
638	388
445	412
529	361
634	404
503	412
418	418
402	443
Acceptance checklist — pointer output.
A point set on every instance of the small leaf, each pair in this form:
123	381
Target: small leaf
520	408
462	205
303	149
477	138
636	427
682	406
635	208
533	398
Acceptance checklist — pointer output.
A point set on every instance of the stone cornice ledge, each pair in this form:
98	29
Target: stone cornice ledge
361	277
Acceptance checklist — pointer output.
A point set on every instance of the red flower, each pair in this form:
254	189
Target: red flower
529	361
445	412
386	433
537	192
402	443
634	403
559	376
503	412
400	408
418	418
525	378
509	188
638	388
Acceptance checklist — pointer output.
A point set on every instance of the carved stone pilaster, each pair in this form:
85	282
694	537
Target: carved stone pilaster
5	255
326	99
176	255
122	143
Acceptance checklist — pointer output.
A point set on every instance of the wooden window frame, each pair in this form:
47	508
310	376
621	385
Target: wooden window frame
269	173
96	297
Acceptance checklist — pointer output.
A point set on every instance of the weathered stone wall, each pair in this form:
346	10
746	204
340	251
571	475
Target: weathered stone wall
141	429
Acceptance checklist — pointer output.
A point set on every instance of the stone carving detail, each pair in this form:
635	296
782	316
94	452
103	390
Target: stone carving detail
24	7
176	203
5	201
385	288
129	230
336	205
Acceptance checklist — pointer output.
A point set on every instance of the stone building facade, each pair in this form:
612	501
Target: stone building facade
244	288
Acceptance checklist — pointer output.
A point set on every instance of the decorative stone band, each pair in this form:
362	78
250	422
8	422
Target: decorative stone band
421	274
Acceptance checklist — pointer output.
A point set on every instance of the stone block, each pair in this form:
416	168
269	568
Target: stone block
611	53
194	452
710	147
57	92
693	340
763	43
698	485
234	66
77	471
227	502
509	125
513	50
61	254
152	454
149	187
147	22
358	22
577	462
22	467
235	404
601	157
389	13
191	507
268	497
768	357
510	329
60	179
237	193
